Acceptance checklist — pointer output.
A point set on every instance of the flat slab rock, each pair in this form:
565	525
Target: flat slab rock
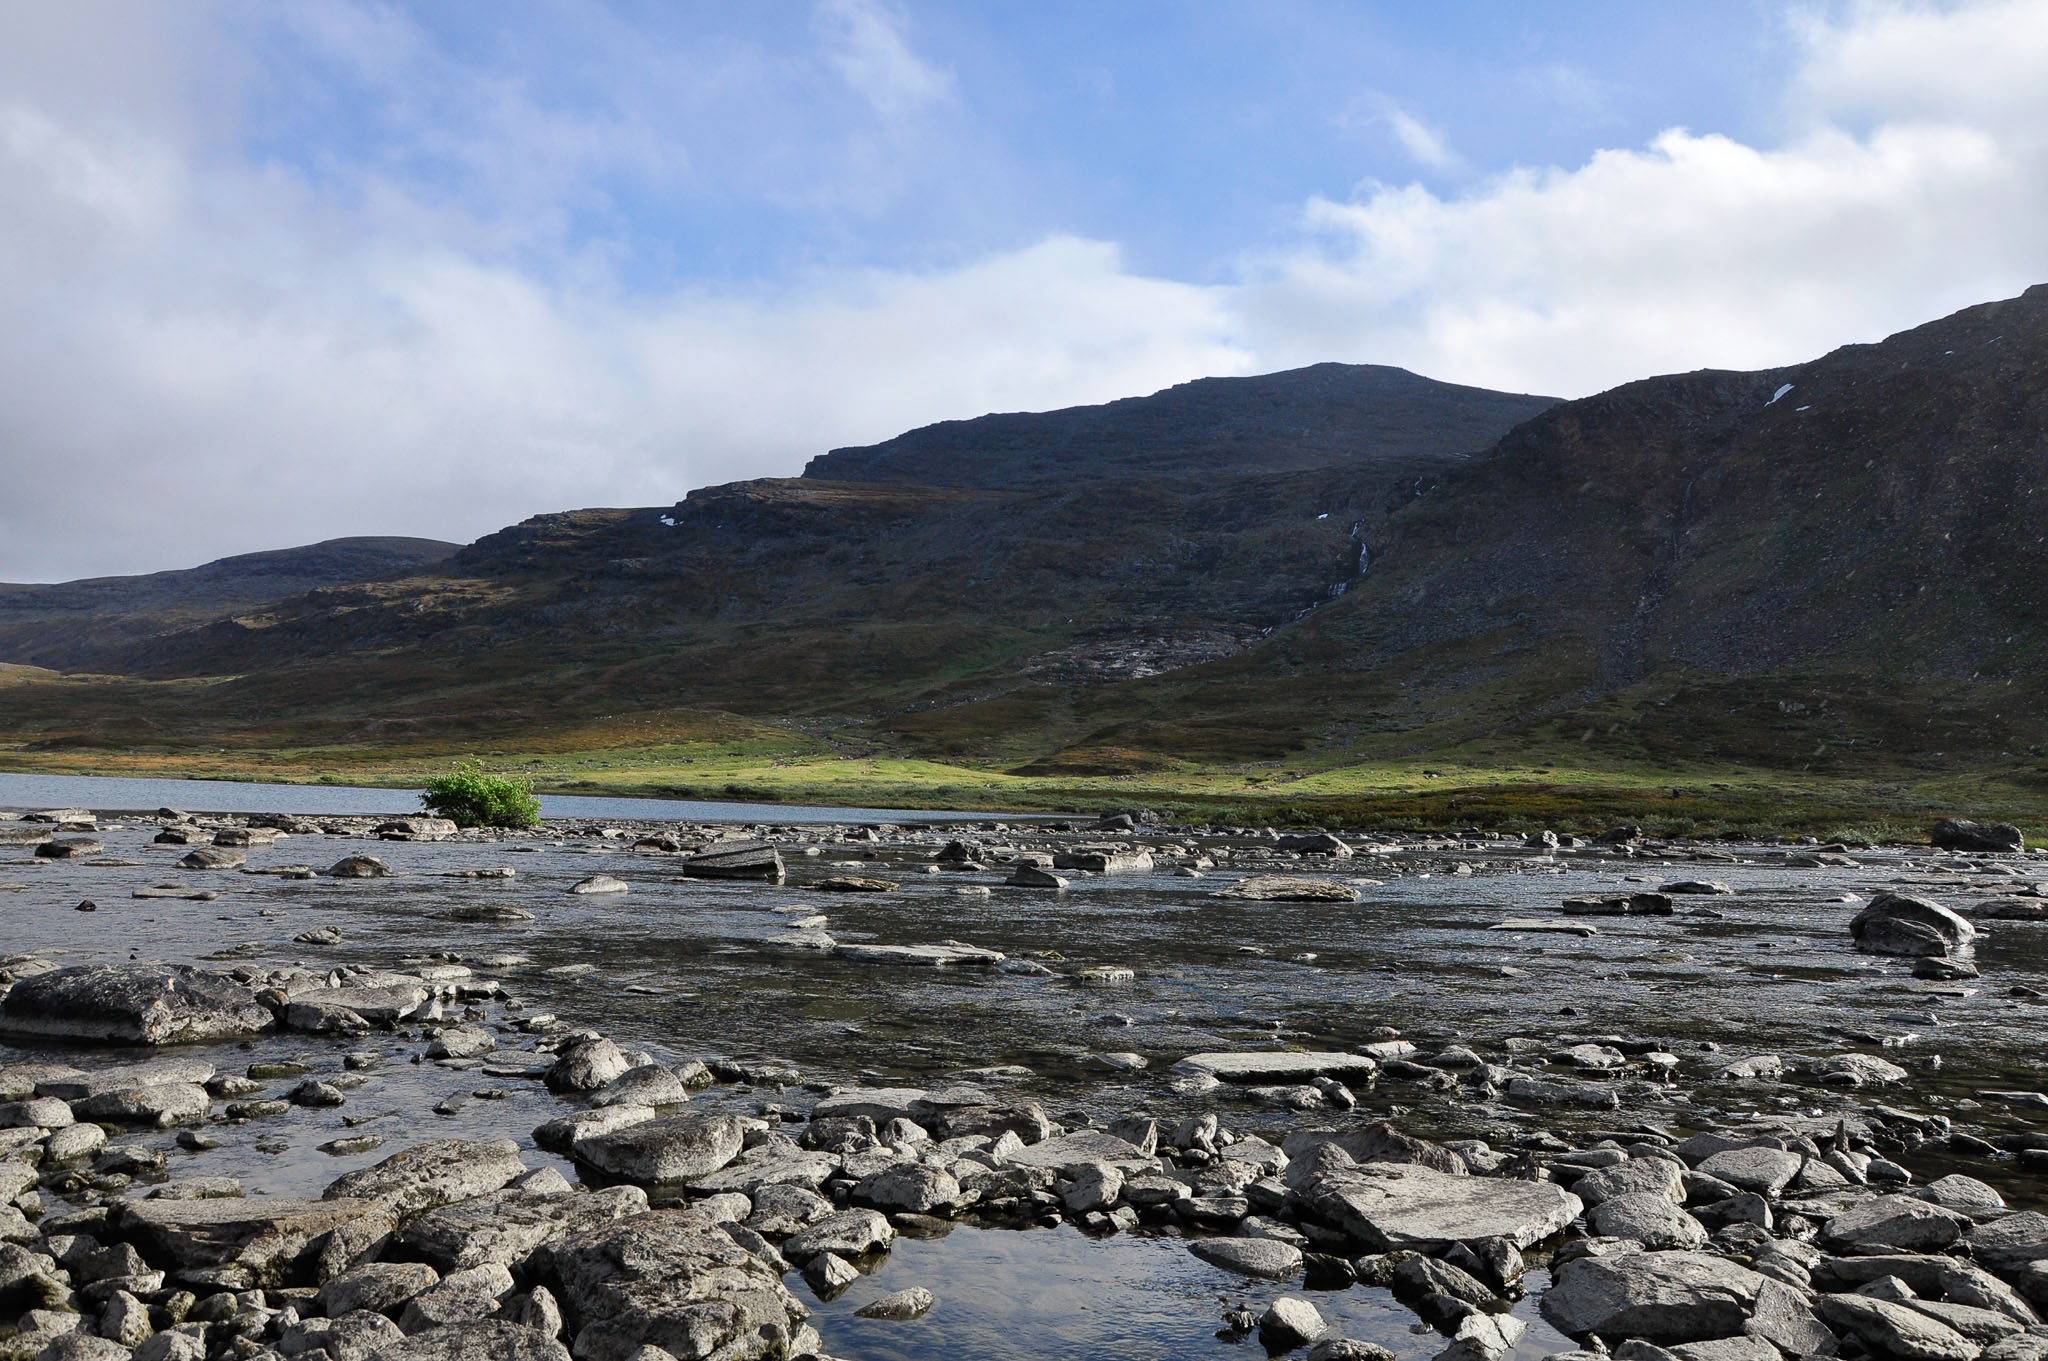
670	1279
483	1340
133	1004
507	1227
430	1175
1277	1066
1282	888
1394	1206
944	956
1660	1297
665	1151
275	1237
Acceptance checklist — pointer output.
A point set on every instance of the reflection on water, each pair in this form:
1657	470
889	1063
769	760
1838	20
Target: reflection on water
32	792
691	969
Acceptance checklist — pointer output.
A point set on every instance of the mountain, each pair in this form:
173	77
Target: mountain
1832	569
80	625
1324	416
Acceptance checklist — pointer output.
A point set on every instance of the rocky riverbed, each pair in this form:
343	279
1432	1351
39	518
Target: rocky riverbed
362	1088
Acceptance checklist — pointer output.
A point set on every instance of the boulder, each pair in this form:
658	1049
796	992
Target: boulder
1976	838
1031	876
1104	861
1766	1171
1264	1258
1278	1065
1659	1175
132	1004
665	1151
507	1227
1649	1218
72	847
1894	924
585	1066
1660	1297
359	867
1891	1224
899	1306
849	1233
750	860
599	883
1893	1329
260	1241
432	1174
1280	888
490	1339
415	829
1393	1206
947	955
1619	905
673	1280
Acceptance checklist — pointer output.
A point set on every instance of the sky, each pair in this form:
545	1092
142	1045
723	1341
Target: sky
273	271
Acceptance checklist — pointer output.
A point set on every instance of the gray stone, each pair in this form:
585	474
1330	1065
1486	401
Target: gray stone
1894	1329
1280	888
650	1084
1649	1218
485	1340
1265	1258
132	1004
899	1306
669	1279
1977	838
2010	1243
1766	1171
599	883
1280	1065
461	1298
1895	924
560	1134
379	1287
359	867
1390	1206
275	1240
913	1187
850	1233
1291	1321
586	1065
432	1174
666	1150
1893	1224
1783	1318
161	1103
1661	1297
462	1042
1661	1176
507	1227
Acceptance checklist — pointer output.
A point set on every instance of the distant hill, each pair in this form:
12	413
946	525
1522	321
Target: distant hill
1832	567
78	625
1324	416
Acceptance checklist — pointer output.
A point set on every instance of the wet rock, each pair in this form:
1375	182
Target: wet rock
1279	888
132	1004
667	1150
948	955
1264	1258
1894	924
269	1240
829	1274
1282	1065
755	860
1031	876
1391	1206
1890	1224
1104	861
852	883
1291	1321
899	1306
462	1042
1350	1349
1893	1329
432	1174
484	1340
650	1084
673	1280
72	847
1695	887
586	1066
415	829
1619	905
599	883
1856	1070
505	1228
1660	1297
849	1233
359	867
1976	838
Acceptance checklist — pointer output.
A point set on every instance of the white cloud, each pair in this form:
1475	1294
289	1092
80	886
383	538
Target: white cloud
1424	144
1699	250
202	353
865	41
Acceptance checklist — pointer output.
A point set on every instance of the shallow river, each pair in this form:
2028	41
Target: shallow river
687	968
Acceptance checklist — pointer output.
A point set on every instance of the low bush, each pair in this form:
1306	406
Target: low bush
475	797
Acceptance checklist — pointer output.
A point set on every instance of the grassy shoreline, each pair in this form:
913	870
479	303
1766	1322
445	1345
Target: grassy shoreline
1394	796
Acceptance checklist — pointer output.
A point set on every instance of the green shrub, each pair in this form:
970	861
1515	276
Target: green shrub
475	797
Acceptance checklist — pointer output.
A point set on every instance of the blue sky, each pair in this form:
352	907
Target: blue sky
279	270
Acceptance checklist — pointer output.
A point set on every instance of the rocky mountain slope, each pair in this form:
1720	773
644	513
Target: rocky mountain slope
1831	566
87	625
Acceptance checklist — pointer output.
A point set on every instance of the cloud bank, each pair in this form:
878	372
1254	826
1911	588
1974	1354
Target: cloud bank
207	350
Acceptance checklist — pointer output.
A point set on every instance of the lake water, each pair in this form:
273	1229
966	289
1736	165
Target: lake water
28	793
